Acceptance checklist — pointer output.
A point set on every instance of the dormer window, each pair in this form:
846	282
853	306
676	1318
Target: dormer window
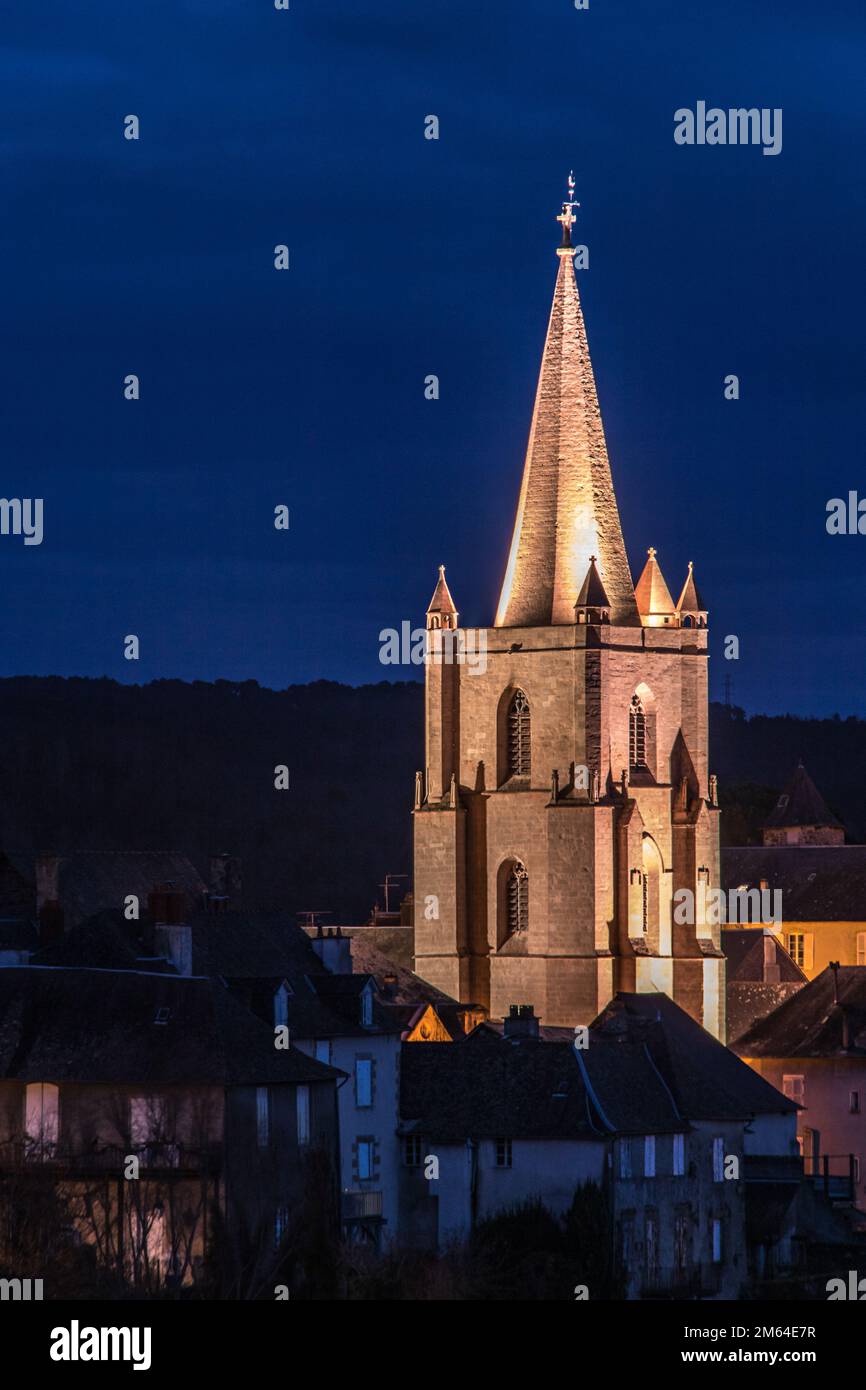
367	1009
281	1005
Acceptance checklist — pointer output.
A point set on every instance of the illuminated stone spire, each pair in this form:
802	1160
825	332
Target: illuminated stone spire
654	602
442	612
567	510
691	605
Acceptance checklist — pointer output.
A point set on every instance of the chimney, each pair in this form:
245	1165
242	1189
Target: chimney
172	934
224	892
49	910
389	986
521	1023
334	951
167	905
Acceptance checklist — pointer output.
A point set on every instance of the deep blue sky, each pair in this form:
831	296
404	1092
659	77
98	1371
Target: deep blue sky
409	257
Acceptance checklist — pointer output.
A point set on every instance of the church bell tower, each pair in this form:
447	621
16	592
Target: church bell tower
566	797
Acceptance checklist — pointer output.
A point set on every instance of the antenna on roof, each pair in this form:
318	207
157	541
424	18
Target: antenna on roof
311	916
390	881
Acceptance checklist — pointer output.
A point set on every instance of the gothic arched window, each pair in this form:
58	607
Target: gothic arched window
518	736
637	735
517	900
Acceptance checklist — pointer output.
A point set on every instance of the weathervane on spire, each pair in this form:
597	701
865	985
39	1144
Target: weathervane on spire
567	217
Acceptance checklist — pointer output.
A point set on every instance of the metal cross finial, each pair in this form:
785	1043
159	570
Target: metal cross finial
567	217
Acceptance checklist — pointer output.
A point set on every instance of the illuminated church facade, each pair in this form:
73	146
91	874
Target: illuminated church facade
566	795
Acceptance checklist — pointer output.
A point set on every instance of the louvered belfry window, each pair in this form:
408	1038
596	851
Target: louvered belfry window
519	736
518	899
637	734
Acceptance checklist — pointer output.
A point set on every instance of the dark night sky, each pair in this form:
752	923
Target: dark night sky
411	257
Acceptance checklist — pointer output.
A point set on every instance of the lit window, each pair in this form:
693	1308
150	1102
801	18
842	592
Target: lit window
303	1108
363	1081
323	1051
801	947
41	1119
679	1164
367	1009
503	1153
649	1156
263	1116
794	1087
718	1160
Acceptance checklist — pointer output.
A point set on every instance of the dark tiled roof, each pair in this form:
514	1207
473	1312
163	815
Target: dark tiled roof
18	936
369	959
630	1093
251	945
534	1091
748	1001
744	949
93	881
811	1023
819	883
801	804
104	942
100	1026
706	1079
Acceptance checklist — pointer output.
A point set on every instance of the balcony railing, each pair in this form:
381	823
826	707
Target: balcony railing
361	1206
698	1281
29	1155
832	1175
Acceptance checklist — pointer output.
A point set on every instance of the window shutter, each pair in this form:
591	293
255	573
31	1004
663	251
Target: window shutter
808	950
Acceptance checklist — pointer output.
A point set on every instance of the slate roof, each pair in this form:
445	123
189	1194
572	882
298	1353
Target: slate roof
252	946
99	1026
819	883
629	1092
409	988
744	949
707	1081
801	804
810	1023
92	881
535	1091
748	1001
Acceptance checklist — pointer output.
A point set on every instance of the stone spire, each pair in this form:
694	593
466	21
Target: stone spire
654	602
441	611
690	604
567	509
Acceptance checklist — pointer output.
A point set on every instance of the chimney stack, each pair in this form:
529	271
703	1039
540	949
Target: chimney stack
49	909
334	951
224	892
521	1023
